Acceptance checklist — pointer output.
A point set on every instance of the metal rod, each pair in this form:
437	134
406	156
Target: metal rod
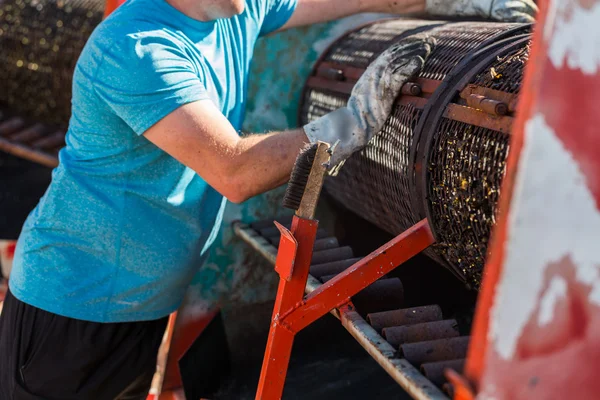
330	255
397	335
28	134
11	126
435	350
257	242
379	296
405	316
479	118
407	376
326	243
332	268
435	371
285	221
25	152
341	288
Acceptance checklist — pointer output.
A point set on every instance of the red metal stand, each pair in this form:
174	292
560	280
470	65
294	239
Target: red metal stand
293	312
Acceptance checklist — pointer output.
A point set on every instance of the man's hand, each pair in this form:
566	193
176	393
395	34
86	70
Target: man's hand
372	98
500	10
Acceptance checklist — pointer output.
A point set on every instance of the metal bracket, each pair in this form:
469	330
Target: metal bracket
284	264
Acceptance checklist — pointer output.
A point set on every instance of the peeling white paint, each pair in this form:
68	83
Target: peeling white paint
553	215
489	392
555	292
573	35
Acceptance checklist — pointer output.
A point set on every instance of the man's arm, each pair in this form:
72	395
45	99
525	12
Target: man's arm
313	11
200	137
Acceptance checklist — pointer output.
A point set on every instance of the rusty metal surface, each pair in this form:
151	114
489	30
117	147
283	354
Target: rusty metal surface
411	380
435	350
448	390
421	332
330	255
254	239
465	155
326	243
33	141
273	235
331	268
268	223
405	316
40	42
536	327
435	371
381	350
384	294
478	118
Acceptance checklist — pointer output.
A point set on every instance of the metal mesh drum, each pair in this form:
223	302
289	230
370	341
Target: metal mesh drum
441	153
40	41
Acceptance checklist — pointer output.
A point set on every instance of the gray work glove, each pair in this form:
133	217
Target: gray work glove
499	10
372	98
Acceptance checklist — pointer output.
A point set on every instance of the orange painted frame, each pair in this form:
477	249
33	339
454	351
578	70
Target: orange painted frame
465	388
293	312
111	5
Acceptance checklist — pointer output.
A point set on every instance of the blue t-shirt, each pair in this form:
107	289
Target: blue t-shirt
123	226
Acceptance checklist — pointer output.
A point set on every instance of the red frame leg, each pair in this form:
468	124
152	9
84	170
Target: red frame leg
293	312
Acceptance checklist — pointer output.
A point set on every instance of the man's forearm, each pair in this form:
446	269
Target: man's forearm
393	6
314	11
200	137
264	162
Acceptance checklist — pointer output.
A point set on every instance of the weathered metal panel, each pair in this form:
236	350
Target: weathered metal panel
538	319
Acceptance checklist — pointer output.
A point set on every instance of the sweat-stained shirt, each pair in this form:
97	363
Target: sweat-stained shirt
123	227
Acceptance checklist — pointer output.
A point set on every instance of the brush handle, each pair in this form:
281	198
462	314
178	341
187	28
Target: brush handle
308	205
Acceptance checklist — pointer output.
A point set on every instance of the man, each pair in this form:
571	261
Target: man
152	152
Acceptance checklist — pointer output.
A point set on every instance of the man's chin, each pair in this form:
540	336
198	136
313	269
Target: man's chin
232	12
238	10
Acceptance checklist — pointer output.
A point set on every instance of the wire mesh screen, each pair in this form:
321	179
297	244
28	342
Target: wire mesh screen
379	189
40	41
466	163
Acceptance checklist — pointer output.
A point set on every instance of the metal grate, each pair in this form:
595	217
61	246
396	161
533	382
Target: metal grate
466	167
320	102
454	42
466	158
359	48
40	41
382	185
506	74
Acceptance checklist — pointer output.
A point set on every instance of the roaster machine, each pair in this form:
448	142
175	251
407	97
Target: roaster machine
440	158
437	166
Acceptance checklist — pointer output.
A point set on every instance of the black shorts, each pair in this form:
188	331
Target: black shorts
50	357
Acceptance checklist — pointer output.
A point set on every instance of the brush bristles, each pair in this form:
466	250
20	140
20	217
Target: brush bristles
299	177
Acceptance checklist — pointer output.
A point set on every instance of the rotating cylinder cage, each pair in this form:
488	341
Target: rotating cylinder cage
40	41
441	154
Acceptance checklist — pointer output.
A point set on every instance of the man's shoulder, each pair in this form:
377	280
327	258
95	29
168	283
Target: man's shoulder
134	21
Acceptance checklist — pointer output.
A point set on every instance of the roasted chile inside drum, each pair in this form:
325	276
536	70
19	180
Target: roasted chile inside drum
442	152
40	42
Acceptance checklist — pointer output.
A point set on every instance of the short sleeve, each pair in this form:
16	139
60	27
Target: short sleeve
145	78
276	14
